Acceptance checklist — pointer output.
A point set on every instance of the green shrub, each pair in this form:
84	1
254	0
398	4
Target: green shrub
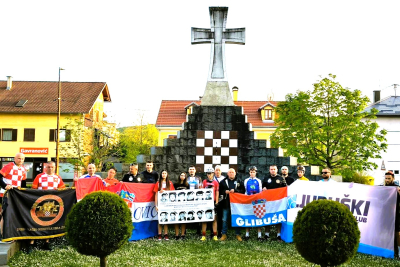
356	177
326	233
99	224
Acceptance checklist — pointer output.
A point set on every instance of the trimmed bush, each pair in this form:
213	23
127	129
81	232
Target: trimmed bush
99	224
326	233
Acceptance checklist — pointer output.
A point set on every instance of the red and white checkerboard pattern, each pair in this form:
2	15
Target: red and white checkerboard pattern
47	182
13	175
216	148
259	210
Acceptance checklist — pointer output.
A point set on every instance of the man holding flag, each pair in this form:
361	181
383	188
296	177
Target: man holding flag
48	180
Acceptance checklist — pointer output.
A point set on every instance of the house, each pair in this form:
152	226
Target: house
28	120
388	118
173	113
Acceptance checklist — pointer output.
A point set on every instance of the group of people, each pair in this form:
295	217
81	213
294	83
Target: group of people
14	175
222	186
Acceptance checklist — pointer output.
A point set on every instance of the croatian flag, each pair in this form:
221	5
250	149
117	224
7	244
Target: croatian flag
266	208
139	198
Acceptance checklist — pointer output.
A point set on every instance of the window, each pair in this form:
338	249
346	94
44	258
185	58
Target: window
9	134
65	135
268	114
29	135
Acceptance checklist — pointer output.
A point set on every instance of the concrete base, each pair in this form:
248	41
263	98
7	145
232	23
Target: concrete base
7	250
217	94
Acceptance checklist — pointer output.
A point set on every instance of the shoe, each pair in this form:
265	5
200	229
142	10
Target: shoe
203	238
183	237
159	238
260	239
266	238
223	237
215	238
48	246
177	237
279	239
239	238
29	249
166	237
246	238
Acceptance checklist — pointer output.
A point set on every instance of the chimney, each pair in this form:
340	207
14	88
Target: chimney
235	91
377	95
9	82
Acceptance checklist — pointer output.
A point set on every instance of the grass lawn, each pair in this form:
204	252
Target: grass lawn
191	252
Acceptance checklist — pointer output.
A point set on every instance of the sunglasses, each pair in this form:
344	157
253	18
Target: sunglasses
208	173
324	172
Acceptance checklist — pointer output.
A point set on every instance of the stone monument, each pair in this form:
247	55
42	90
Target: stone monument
217	91
217	131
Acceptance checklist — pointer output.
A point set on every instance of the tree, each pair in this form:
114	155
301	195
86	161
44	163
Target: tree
99	224
137	140
329	127
325	232
89	142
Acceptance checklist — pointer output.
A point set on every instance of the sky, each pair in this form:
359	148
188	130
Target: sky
142	49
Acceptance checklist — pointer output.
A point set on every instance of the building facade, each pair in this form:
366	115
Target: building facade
388	118
28	116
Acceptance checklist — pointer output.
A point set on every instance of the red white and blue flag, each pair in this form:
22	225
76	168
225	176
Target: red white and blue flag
266	208
139	198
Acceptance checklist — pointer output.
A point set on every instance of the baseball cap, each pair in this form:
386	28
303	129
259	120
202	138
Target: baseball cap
210	169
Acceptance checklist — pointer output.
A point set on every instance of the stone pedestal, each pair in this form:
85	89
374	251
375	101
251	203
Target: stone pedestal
217	94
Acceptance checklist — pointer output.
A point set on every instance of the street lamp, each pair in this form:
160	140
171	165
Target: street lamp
58	121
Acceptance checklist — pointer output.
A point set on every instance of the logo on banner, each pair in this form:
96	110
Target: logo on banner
47	210
129	198
291	202
259	208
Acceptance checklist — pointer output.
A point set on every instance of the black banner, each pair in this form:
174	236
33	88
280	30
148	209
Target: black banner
36	214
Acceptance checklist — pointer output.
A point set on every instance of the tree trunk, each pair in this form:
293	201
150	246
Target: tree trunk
103	261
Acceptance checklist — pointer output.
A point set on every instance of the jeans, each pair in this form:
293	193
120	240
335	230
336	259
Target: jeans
225	214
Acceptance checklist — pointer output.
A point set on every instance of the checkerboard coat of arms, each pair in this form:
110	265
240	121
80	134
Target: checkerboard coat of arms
259	208
216	148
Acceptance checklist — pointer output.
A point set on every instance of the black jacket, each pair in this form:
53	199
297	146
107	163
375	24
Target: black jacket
227	184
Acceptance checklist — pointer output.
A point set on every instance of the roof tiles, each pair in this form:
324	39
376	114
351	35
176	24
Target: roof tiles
77	97
172	112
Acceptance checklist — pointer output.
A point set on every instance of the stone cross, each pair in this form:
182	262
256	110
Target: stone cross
218	35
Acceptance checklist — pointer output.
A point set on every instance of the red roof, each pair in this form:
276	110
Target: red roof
77	97
173	113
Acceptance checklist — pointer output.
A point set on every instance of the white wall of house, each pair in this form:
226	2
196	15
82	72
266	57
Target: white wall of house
391	157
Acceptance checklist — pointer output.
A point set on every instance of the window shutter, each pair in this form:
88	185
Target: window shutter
52	135
14	134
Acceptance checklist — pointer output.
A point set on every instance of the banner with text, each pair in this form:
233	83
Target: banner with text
138	196
374	208
266	208
36	214
186	206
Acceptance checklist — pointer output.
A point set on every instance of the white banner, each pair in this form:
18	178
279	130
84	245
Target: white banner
374	208
186	206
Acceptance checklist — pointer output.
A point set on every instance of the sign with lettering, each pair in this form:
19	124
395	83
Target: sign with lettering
374	208
34	150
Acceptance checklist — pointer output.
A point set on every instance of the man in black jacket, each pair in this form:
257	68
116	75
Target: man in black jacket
273	181
133	176
227	186
150	176
389	181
